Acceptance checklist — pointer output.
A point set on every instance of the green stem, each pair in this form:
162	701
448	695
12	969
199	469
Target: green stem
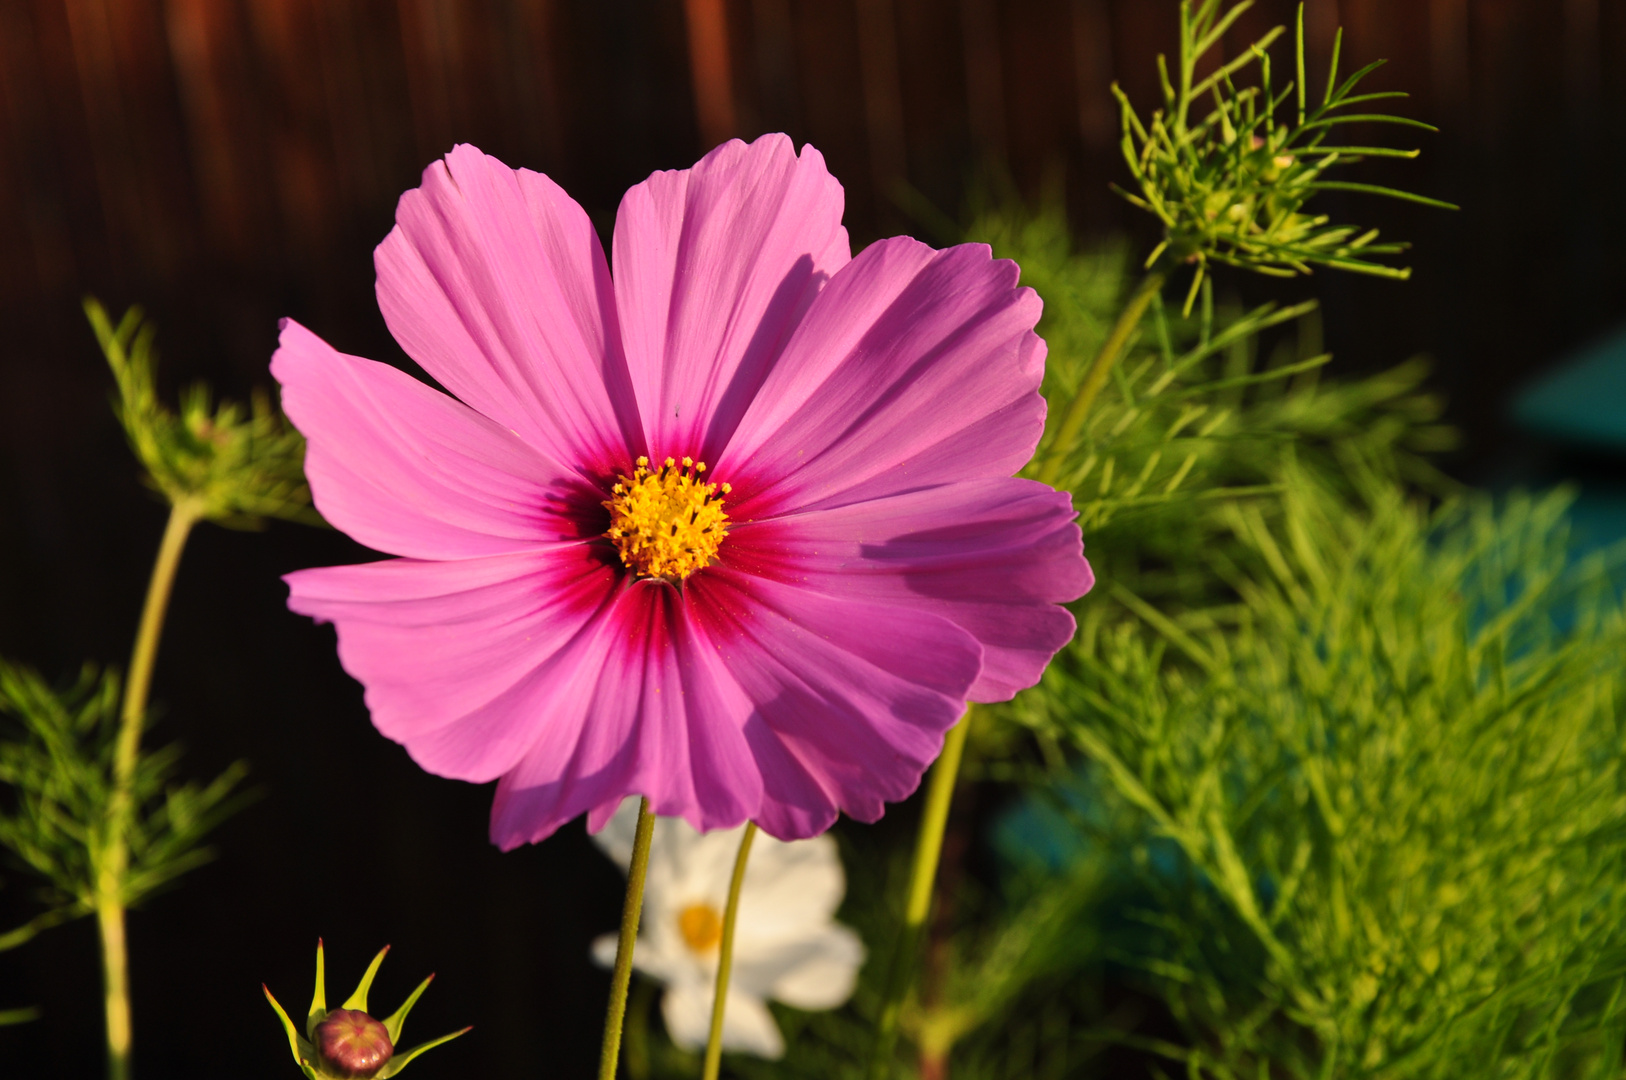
112	861
138	681
922	876
1072	420
725	957
630	910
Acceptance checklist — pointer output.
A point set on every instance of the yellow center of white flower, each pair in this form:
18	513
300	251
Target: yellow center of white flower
701	926
667	523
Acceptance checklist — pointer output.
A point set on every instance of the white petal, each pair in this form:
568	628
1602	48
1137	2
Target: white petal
615	839
604	950
748	1026
687	1011
790	887
650	958
826	974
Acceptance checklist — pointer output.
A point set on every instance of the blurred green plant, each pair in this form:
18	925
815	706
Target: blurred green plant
97	818
1352	800
1393	774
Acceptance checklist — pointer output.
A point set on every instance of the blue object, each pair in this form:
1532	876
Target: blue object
1583	401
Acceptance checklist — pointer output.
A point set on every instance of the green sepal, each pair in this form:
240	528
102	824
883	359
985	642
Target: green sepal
302	1050
358	1000
398	1017
318	1011
401	1061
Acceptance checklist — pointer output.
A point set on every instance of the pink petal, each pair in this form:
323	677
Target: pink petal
405	469
913	367
714	267
996	557
789	707
647	709
495	282
457	656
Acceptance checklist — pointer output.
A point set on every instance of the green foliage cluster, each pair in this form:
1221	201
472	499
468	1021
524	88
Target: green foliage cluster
236	467
1229	185
57	760
1395	788
1192	413
1337	747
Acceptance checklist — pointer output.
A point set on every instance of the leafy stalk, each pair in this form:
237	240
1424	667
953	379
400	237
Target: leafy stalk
95	815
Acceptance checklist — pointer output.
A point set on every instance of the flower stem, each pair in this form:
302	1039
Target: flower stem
113	857
725	957
922	876
630	911
1072	420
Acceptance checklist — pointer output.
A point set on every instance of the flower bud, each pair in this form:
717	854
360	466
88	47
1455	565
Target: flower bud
352	1043
347	1043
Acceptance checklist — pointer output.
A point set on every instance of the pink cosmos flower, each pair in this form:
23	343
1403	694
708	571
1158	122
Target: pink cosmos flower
735	529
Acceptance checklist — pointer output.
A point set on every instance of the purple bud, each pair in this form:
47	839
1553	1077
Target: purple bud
353	1043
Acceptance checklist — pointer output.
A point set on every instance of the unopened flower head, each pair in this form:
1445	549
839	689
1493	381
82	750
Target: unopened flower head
736	528
347	1043
353	1043
787	946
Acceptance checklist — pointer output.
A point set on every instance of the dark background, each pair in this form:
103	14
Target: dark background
227	162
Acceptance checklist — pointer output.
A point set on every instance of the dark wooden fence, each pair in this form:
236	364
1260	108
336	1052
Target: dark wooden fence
247	153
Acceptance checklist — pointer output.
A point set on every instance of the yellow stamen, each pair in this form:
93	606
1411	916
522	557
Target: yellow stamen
667	524
701	926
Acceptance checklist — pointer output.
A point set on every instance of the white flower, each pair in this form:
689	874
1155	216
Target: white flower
786	945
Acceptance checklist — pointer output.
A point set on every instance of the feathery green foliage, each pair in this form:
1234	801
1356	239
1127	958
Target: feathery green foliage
56	761
237	468
1394	784
1229	184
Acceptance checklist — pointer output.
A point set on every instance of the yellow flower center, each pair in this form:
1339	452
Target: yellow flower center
667	523
701	926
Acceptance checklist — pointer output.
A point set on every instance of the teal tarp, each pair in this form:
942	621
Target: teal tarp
1583	400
